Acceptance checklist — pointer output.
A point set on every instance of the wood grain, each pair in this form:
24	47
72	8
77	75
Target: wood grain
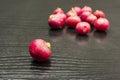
24	67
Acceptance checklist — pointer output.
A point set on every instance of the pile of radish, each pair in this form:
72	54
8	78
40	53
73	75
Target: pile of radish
79	19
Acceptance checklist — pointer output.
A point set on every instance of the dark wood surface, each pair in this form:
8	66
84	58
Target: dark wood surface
92	57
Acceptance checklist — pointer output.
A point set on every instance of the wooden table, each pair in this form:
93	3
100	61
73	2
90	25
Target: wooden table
92	57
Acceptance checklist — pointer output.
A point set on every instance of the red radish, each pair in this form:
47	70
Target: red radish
72	21
99	13
40	50
91	19
71	13
102	24
77	10
84	15
56	21
83	28
86	8
58	10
